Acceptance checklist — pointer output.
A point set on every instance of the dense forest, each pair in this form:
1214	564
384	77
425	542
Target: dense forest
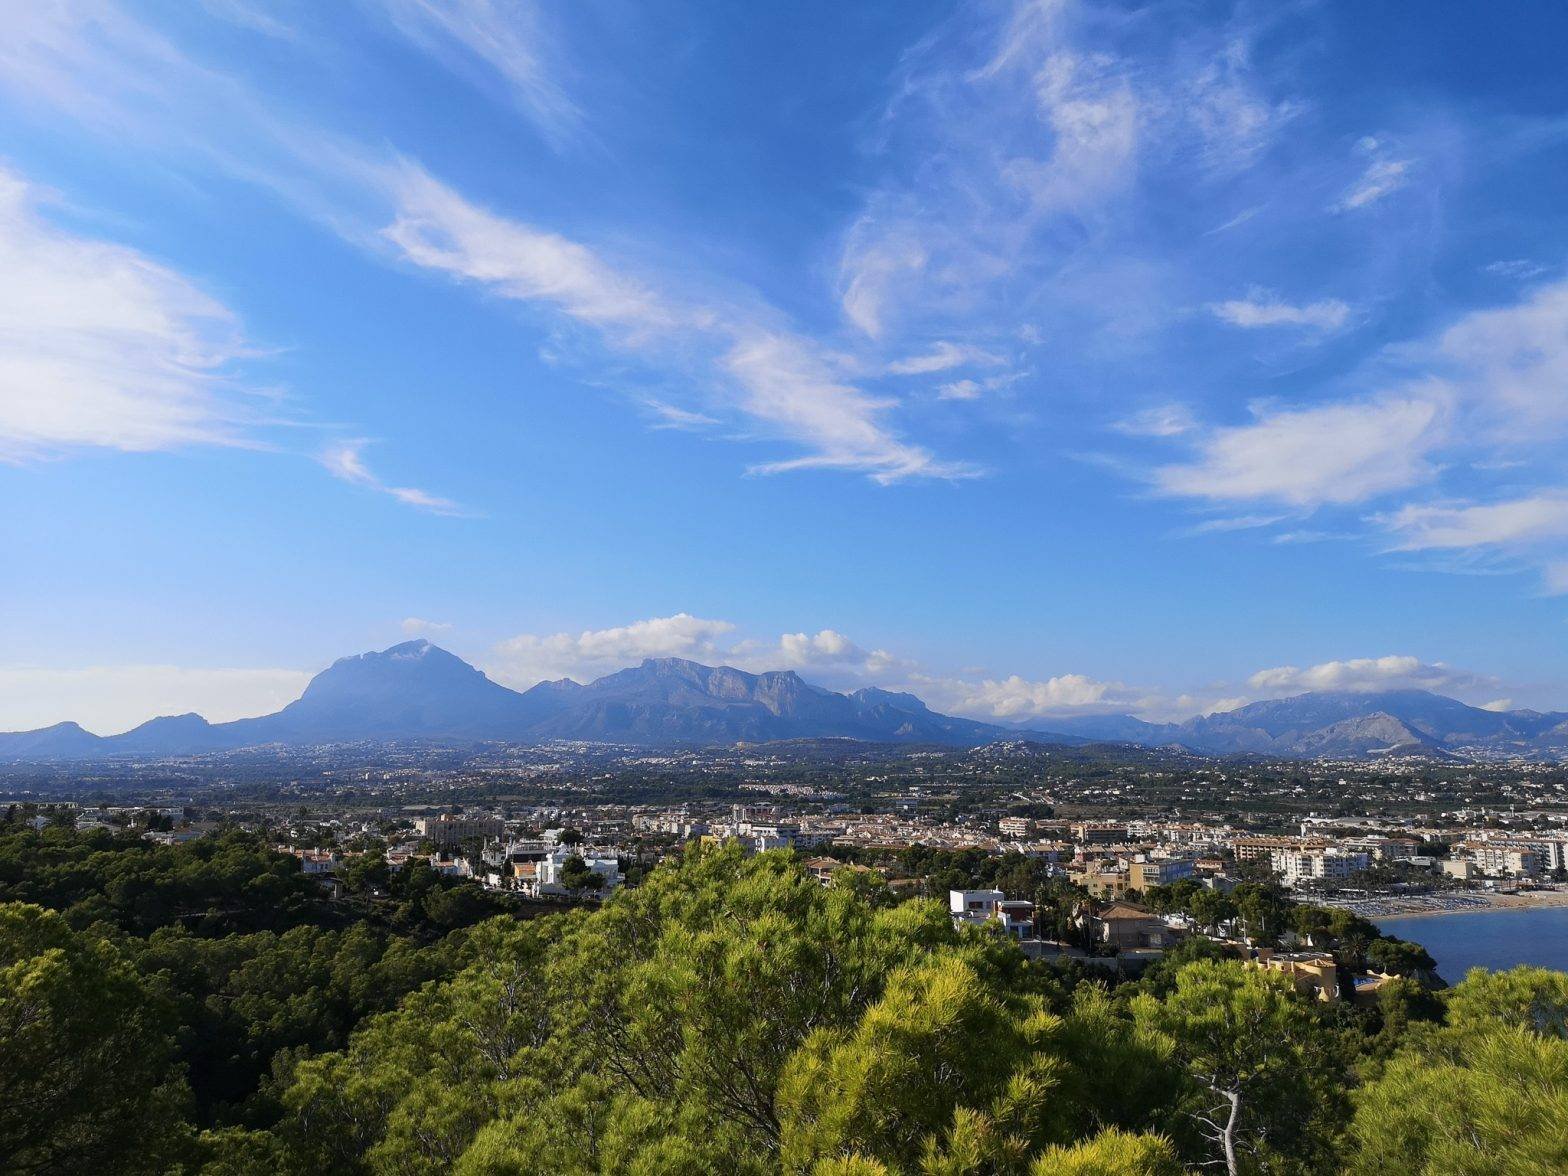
204	1009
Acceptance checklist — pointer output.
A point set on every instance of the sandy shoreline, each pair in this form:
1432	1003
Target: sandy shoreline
1467	903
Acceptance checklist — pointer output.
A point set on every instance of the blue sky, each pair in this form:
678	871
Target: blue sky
1038	357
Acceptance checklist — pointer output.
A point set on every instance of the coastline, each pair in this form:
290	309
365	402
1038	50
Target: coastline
1461	903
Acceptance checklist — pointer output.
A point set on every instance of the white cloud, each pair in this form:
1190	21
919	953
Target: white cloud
974	389
1016	697
876	260
1366	674
1163	420
1261	309
943	357
1520	268
829	650
1334	453
1230	523
248	16
111	699
1512	363
419	627
102	346
960	390
729	345
1498	704
1382	176
786	383
1037	127
670	416
504	36
529	658
1514	523
1555	578
345	460
437	228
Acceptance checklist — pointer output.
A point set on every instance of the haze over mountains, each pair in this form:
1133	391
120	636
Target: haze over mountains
418	691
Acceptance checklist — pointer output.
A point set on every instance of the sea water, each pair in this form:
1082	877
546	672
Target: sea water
1495	939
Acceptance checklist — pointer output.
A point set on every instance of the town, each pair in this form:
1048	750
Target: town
1097	860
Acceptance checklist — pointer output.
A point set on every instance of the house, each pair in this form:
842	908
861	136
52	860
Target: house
1314	973
451	867
1127	926
548	870
317	861
821	868
977	908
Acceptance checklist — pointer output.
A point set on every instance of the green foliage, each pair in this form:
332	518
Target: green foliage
575	875
939	1039
729	1015
1261	1061
1398	957
1488	1093
1535	999
1112	1153
212	885
86	1081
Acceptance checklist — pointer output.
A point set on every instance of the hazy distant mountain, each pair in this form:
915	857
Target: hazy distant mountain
1115	729
669	700
61	741
171	734
1342	723
417	691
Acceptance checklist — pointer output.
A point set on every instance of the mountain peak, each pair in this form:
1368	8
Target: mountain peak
418	691
415	648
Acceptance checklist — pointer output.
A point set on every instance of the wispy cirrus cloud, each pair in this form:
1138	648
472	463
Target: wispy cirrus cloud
507	39
740	355
1161	420
103	346
1262	309
1510	362
1509	524
1382	176
1033	135
1333	453
787	385
345	460
944	356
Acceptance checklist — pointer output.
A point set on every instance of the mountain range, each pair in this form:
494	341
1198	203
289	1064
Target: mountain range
417	691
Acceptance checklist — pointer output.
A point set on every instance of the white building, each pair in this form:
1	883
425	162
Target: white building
1297	866
547	874
1506	859
982	907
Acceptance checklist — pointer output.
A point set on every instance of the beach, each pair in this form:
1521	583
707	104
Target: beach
1466	902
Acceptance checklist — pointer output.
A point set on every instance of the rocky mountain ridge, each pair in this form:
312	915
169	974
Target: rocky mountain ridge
417	691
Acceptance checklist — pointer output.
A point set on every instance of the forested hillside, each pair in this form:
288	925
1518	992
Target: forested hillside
200	1009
